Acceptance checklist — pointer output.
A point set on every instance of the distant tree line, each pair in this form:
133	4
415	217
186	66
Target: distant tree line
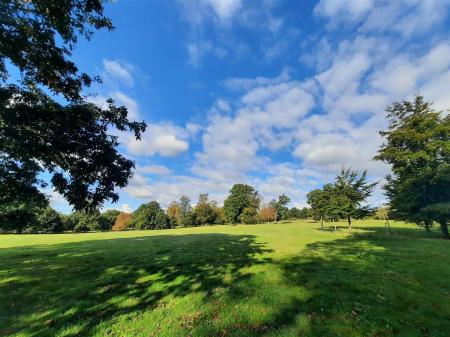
242	206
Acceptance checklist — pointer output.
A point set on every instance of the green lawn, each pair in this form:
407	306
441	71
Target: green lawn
286	279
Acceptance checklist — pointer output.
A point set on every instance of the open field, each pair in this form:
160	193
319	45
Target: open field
286	279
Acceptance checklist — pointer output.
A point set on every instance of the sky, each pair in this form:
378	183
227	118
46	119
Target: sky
277	94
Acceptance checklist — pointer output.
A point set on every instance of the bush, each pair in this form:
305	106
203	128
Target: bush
122	222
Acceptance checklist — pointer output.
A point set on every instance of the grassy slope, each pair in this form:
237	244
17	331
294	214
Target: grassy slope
262	280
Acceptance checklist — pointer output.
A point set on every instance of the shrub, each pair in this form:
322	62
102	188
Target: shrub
122	222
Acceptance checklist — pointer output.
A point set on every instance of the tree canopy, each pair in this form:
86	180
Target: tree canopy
70	140
417	146
241	196
353	190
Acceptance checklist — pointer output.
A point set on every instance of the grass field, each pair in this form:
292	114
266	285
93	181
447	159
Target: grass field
286	279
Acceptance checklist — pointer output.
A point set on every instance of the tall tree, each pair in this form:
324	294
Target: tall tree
71	141
354	191
417	146
185	211
241	196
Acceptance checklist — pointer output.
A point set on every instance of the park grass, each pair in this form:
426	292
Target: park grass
284	279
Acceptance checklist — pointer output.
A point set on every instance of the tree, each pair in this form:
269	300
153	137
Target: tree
417	146
174	214
295	213
20	199
107	219
336	205
122	222
185	210
241	196
280	206
318	200
39	36
205	211
267	213
354	191
48	221
149	216
70	140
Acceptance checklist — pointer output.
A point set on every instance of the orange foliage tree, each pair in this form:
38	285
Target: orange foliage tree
267	213
122	222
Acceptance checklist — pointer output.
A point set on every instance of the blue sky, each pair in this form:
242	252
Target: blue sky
277	94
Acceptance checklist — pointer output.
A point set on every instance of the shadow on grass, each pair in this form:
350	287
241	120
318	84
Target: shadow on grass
49	289
370	283
373	283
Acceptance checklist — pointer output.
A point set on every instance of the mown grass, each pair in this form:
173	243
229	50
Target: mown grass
285	279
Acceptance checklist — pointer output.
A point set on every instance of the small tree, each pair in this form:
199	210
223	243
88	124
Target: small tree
354	191
417	148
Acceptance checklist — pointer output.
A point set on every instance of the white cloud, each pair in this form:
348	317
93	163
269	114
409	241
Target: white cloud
406	17
165	139
153	169
119	71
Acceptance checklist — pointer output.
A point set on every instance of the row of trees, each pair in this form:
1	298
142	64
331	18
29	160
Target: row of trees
242	206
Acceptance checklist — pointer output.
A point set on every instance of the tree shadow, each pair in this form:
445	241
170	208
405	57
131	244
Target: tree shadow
49	289
372	283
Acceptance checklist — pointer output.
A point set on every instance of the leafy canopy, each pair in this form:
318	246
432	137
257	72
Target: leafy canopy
72	140
241	196
417	146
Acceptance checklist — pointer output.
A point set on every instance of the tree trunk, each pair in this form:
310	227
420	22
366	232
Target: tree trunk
335	228
444	230
427	226
349	223
321	223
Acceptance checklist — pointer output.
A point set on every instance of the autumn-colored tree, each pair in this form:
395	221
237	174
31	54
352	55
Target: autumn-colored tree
122	222
267	213
174	214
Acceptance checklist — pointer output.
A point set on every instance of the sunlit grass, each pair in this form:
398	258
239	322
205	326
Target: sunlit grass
284	279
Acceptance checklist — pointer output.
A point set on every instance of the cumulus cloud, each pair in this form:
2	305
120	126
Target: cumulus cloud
164	139
287	135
